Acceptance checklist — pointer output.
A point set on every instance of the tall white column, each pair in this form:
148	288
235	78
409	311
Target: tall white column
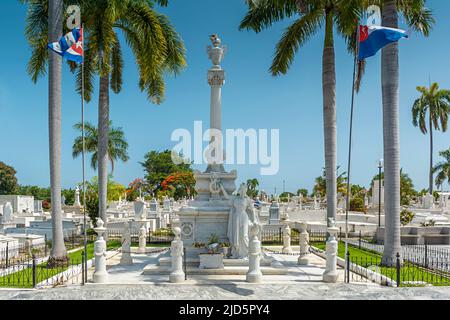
216	79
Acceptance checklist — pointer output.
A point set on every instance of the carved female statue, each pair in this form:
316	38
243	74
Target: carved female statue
242	216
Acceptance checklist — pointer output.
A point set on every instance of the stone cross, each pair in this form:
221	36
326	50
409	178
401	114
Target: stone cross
254	274
177	275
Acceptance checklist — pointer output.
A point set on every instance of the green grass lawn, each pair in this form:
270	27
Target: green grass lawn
409	272
24	278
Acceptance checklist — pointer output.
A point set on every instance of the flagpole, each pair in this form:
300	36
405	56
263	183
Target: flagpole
83	160
347	204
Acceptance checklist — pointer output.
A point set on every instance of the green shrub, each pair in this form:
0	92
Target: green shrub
406	217
357	204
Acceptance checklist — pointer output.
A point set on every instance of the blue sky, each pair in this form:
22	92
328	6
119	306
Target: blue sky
252	98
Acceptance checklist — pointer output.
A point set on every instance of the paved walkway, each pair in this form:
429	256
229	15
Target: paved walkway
230	291
300	283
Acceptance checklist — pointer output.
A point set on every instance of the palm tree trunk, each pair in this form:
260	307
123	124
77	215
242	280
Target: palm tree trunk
58	253
103	130
431	156
391	138
329	117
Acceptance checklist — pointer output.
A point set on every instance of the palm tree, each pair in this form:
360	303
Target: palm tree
420	19
117	148
252	185
157	49
336	15
436	103
44	25
443	168
320	187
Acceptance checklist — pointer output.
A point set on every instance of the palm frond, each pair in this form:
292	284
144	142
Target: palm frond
294	37
264	13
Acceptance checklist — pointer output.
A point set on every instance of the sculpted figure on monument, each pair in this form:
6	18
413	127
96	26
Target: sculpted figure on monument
242	217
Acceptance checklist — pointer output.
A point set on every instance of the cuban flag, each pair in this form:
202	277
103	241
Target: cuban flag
374	38
70	46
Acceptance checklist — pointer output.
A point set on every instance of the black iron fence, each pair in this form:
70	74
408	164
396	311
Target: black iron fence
275	236
13	253
397	271
34	272
160	236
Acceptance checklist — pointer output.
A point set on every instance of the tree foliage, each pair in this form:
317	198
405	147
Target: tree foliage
179	185
442	169
159	165
117	144
8	180
252	188
320	187
303	192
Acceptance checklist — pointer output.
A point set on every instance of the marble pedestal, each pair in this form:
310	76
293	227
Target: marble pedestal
208	213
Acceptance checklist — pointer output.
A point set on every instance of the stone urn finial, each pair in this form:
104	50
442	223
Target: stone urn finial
216	52
177	232
215	40
100	223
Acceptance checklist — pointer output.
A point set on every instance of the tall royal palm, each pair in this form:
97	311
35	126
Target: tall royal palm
335	15
117	144
157	49
436	104
44	25
442	169
420	19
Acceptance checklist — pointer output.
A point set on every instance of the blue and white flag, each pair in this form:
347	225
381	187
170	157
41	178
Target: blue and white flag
70	46
374	38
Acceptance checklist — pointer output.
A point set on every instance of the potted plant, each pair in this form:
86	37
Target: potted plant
213	258
225	249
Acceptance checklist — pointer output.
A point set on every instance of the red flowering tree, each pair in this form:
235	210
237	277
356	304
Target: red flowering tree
179	185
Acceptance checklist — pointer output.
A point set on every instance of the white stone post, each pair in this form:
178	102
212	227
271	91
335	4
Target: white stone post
100	273
287	239
303	259
331	275
254	274
77	202
142	237
126	259
177	275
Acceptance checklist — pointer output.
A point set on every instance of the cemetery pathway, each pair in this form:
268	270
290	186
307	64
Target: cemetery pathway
230	291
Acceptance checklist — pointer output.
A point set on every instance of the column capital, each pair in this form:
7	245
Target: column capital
216	77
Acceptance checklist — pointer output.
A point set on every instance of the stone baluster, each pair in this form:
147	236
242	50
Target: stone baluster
287	239
331	275
100	273
177	275
254	274
303	259
126	246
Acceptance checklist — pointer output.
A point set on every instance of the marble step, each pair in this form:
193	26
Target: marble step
167	261
152	269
